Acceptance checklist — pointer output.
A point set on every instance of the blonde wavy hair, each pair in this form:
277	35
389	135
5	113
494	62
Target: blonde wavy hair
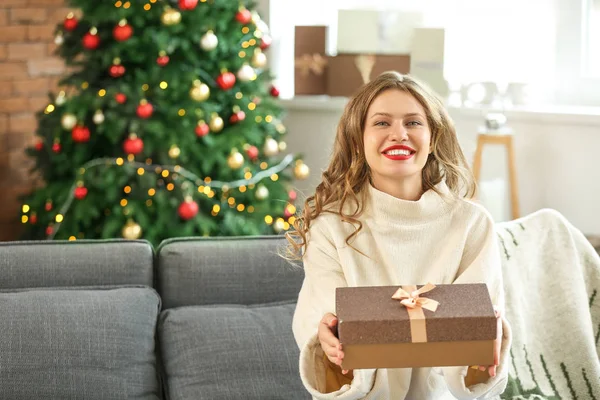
348	172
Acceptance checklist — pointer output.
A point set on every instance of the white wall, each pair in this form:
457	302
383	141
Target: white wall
557	155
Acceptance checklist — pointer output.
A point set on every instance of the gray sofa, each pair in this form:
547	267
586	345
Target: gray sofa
200	318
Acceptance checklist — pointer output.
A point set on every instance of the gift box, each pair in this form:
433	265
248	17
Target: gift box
346	73
310	61
416	326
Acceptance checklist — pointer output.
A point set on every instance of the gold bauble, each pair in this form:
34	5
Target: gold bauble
174	151
131	230
235	160
216	123
170	17
301	171
259	59
271	147
68	121
199	92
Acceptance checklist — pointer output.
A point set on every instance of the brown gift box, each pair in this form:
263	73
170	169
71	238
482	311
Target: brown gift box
346	73
376	331
310	61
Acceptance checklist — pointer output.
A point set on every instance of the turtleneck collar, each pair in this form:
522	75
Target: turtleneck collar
384	207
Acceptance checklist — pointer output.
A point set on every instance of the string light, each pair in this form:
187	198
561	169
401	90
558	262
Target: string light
118	4
85	85
274	177
248	175
145	87
181	112
250	209
123	202
25	208
119	161
24	219
263	165
127	5
258	119
147	7
101	92
72	238
245	30
251	106
239	95
242	54
240	207
268	219
170	186
245	45
165	173
242	189
49	109
141	171
127	189
163	85
58	218
269	119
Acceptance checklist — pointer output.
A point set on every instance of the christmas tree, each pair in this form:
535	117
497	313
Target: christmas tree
168	126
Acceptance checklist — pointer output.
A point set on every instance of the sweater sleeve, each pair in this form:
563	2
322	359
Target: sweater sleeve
481	264
323	274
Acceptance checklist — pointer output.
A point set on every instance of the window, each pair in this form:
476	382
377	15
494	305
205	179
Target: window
591	36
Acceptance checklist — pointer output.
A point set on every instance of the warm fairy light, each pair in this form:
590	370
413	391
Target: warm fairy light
258	119
263	165
130	157
286	226
269	118
101	92
250	209
245	30
242	54
258	34
239	95
165	173
251	106
163	85
211	194
127	5
58	218
291	209
245	45
148	202
206	190
127	189
241	207
181	112
231	201
251	186
207	180
148	161
216	208
119	161
118	4
170	186
268	219
291	220
252	42
177	168
242	189
49	109
147	7
200	189
145	87
72	238
81	171
24	219
274	177
85	85
25	208
141	171
151	192
123	202
248	175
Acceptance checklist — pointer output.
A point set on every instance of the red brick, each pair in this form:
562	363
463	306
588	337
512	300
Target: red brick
3	52
51	49
9	3
3	124
28	15
41	32
38	103
11	34
3	17
31	86
10	71
46	66
22	123
6	89
26	51
20	164
17	104
53	84
46	2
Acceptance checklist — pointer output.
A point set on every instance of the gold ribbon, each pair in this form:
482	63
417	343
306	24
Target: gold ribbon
411	298
307	63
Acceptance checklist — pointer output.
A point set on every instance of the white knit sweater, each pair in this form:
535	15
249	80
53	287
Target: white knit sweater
436	239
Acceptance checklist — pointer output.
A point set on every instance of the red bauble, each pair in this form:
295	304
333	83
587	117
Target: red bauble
243	16
265	42
226	80
144	110
56	148
80	134
292	195
187	4
70	23
122	32
202	129
120	98
80	192
48	206
33	219
252	152
188	209
237	117
116	71
91	41
39	146
162	60
49	231
133	145
274	91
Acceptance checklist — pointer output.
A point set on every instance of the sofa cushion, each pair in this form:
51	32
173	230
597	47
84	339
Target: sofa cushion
226	352
78	344
225	270
78	263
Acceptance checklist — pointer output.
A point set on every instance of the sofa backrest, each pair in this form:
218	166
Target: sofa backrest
75	263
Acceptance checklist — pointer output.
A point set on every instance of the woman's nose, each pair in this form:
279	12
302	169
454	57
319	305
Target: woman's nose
399	132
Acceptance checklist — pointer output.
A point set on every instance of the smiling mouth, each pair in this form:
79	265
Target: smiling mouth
398	152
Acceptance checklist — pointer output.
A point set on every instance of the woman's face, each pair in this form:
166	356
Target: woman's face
397	141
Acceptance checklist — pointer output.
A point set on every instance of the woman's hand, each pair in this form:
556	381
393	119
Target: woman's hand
330	344
491	369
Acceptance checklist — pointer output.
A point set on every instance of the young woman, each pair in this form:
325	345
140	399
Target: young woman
393	209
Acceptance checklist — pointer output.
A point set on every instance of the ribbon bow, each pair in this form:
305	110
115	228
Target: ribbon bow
310	63
414	300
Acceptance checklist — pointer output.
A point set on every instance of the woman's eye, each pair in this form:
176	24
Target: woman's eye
414	123
381	123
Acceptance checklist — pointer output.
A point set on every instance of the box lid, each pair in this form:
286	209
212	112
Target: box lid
369	315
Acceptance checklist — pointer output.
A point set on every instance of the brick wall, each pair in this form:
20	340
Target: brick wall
28	70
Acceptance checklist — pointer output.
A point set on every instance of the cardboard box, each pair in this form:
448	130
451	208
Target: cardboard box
310	61
378	331
346	73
